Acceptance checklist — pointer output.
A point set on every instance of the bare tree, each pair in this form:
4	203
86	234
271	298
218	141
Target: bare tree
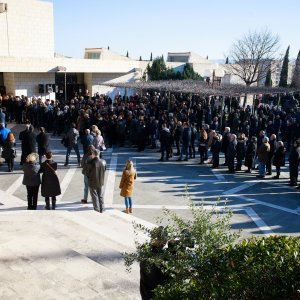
252	56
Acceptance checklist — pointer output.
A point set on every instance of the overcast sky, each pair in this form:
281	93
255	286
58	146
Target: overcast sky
159	26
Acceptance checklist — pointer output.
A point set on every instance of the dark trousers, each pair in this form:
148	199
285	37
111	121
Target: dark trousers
216	159
278	171
69	149
293	174
10	164
32	196
47	200
269	165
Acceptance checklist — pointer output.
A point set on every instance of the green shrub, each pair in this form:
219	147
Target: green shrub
203	260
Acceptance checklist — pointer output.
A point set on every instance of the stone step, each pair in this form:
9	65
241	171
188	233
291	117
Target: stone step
62	257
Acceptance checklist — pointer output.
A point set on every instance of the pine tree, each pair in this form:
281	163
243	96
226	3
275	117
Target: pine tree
296	75
127	54
227	60
268	81
284	69
140	58
189	73
151	57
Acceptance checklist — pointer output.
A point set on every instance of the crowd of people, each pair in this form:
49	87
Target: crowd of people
181	125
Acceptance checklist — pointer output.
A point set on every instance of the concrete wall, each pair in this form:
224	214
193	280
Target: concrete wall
9	82
97	79
26	29
27	83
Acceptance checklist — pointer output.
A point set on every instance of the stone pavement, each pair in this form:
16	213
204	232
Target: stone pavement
66	255
75	253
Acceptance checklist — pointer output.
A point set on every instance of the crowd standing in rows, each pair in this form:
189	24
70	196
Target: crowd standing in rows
259	136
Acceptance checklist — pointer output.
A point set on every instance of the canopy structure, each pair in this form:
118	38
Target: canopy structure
199	87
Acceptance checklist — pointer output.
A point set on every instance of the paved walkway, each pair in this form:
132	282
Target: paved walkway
75	253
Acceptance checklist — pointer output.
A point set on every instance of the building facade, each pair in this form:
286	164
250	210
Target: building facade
29	66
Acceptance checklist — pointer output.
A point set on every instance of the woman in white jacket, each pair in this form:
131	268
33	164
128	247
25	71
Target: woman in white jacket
98	142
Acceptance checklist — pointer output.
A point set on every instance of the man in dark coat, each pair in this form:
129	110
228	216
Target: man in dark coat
225	142
164	142
273	147
240	151
178	136
186	141
43	143
279	158
294	159
28	142
215	149
231	153
95	171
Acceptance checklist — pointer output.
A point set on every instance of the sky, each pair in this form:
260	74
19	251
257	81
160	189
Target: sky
160	26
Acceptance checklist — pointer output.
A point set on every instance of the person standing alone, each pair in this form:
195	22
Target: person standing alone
95	172
127	184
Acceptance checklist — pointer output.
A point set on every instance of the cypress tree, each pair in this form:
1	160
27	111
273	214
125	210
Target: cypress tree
140	58
268	81
207	57
296	75
227	61
108	48
284	69
127	54
151	57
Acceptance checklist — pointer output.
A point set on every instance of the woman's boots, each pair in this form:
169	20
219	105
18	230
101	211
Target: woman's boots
128	210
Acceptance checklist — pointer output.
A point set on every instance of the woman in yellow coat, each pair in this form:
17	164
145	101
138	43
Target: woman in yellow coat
127	184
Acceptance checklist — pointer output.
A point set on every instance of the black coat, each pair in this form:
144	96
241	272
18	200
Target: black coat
250	155
50	182
279	157
43	143
240	149
28	145
231	150
225	142
9	150
165	138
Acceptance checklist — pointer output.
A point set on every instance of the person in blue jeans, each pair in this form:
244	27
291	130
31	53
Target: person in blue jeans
262	155
186	141
127	185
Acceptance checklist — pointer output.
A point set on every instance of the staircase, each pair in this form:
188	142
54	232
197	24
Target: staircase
66	254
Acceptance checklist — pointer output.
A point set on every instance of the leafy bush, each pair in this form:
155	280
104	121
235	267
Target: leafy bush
194	242
201	259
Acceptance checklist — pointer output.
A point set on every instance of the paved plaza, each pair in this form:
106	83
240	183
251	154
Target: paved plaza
75	253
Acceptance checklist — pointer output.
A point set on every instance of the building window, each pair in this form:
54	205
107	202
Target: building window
93	55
